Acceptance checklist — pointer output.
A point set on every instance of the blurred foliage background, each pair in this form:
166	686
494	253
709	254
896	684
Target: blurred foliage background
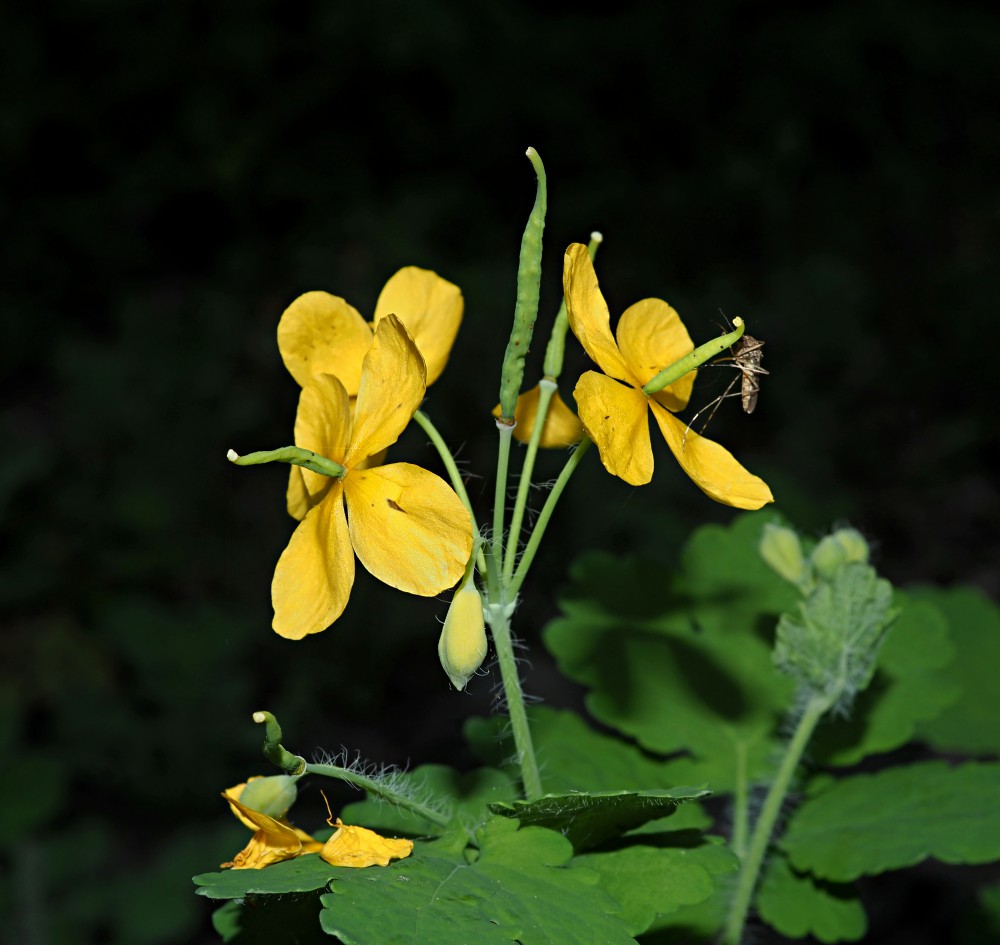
175	174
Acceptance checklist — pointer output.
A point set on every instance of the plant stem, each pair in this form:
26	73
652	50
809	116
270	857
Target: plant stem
543	517
761	839
500	494
740	803
497	615
379	790
546	388
425	424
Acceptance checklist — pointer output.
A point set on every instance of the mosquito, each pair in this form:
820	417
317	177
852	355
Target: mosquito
746	357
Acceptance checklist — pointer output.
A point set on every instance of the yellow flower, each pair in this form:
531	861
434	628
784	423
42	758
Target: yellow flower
359	847
649	337
273	839
562	426
405	524
321	333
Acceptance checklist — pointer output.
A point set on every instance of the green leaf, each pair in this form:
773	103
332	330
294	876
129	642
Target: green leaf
656	875
910	687
831	645
681	664
517	890
872	823
269	921
797	905
302	874
573	757
587	820
969	724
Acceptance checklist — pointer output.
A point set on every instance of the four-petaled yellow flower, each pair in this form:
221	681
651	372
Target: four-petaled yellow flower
406	524
320	333
612	406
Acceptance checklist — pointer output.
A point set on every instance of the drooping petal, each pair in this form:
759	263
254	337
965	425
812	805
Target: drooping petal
589	316
359	847
431	309
320	333
408	527
651	336
614	417
562	426
392	386
323	425
314	575
712	468
272	841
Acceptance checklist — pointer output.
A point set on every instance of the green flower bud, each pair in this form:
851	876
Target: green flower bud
781	549
462	647
844	546
272	796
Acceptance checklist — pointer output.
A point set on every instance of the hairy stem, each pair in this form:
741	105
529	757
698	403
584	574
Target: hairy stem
761	839
500	494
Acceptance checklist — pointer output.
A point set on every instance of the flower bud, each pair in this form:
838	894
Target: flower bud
844	546
462	647
272	796
781	549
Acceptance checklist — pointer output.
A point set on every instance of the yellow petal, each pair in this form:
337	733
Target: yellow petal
234	794
562	426
392	386
323	425
589	316
614	417
408	527
320	333
297	495
272	842
651	336
358	847
314	575
712	468
431	309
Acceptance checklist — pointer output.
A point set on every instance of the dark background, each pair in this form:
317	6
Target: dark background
175	174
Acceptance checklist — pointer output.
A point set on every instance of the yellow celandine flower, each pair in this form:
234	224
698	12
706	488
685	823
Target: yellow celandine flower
562	426
406	524
320	333
612	406
273	840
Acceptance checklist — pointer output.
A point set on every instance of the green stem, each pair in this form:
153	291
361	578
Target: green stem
500	494
498	617
543	518
761	839
546	390
741	793
379	790
425	424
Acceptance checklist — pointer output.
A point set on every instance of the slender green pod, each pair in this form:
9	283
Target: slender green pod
557	340
294	455
529	276
695	359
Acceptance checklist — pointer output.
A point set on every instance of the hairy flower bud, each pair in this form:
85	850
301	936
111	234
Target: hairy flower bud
462	647
781	549
844	546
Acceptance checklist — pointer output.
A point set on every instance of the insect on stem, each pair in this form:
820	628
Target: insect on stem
746	356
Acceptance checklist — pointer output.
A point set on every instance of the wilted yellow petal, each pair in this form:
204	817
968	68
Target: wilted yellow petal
234	794
431	309
314	575
614	417
562	426
392	386
358	847
272	841
323	425
408	527
320	333
712	468
589	316
651	336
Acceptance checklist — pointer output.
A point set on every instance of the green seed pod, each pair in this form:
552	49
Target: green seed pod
781	549
463	647
272	796
844	546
